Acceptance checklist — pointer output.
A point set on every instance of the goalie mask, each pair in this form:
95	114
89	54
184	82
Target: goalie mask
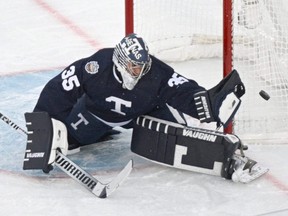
131	57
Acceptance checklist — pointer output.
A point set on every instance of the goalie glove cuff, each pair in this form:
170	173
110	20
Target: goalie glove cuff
203	107
220	103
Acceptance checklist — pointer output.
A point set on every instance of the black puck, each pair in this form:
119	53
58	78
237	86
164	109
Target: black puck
264	95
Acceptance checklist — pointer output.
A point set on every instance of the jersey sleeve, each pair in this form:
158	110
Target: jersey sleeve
179	91
61	93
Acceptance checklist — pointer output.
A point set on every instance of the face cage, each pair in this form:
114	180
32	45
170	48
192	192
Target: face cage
145	68
121	61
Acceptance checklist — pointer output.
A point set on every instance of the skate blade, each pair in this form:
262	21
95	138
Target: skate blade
256	172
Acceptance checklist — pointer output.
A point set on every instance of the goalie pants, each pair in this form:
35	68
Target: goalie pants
83	127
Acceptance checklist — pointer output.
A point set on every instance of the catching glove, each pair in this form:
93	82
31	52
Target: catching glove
220	103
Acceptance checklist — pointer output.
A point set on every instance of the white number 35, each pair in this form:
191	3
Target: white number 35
69	79
176	80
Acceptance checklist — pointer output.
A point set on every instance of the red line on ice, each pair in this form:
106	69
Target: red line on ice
276	182
68	23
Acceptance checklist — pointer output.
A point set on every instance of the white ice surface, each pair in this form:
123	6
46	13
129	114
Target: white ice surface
38	38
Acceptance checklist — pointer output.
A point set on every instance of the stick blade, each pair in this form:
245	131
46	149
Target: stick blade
118	180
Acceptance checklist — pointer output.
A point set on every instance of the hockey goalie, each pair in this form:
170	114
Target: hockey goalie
174	119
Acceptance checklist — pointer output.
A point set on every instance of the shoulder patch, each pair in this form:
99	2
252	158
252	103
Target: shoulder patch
92	67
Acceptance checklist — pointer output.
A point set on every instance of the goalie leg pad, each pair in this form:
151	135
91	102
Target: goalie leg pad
193	149
45	137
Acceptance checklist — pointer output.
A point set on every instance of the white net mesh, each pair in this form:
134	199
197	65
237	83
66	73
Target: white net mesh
171	26
263	27
181	30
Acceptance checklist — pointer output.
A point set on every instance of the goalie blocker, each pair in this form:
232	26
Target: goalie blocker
192	149
45	136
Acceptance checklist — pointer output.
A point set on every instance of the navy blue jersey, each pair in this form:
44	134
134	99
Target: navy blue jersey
97	78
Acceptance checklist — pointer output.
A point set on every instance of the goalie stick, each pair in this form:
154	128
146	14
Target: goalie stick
85	179
12	124
93	185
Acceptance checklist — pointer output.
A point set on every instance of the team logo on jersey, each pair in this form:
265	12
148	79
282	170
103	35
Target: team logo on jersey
92	67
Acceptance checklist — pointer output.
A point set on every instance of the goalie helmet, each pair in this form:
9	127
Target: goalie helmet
131	57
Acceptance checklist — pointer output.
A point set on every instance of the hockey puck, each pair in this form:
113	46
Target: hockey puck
264	95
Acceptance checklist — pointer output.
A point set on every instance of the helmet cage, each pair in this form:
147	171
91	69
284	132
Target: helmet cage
131	52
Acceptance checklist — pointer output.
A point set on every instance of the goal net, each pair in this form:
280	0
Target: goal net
257	44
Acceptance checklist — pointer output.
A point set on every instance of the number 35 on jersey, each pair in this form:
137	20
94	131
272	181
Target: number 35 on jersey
70	80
